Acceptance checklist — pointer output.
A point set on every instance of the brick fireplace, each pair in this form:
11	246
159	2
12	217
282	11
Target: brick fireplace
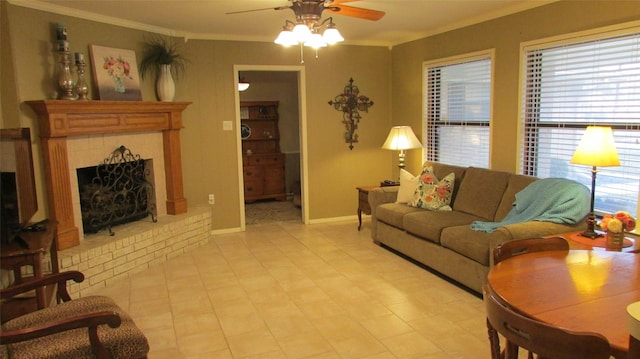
63	124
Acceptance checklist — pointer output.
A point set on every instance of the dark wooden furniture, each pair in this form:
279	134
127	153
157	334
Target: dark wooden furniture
50	332
30	250
578	290
547	341
363	198
263	176
262	161
363	202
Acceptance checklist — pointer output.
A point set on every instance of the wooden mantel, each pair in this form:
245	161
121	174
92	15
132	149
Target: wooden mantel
59	119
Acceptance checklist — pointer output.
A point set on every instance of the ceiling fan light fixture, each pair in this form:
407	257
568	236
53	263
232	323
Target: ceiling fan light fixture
308	20
309	28
315	41
301	32
286	38
332	36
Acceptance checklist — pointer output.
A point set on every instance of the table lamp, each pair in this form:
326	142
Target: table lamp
597	149
401	138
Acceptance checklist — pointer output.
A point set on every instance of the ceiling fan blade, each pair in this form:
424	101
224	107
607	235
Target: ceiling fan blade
358	12
267	8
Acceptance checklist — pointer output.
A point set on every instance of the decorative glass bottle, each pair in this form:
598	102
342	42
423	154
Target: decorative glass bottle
65	80
81	86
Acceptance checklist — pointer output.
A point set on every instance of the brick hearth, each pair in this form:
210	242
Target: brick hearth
137	246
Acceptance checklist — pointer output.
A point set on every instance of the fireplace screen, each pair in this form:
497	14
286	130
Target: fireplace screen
115	192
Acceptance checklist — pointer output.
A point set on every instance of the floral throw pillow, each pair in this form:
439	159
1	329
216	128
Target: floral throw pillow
433	194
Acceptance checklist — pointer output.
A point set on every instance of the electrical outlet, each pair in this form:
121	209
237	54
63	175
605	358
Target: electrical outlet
212	199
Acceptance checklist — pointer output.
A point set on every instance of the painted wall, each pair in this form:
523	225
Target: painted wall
504	35
392	79
210	158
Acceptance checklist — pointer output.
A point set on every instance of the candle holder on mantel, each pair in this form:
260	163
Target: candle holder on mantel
81	86
65	81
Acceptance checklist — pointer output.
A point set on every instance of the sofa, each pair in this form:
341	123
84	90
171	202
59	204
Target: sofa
443	240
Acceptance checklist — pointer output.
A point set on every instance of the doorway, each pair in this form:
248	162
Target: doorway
284	84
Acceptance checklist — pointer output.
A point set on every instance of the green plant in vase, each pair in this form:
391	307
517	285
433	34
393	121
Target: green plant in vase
160	58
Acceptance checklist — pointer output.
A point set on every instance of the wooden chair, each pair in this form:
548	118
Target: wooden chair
545	340
522	246
86	327
515	248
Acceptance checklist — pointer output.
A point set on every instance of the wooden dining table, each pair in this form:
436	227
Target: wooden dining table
579	290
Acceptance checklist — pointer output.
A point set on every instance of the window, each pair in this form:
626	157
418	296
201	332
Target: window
586	81
458	110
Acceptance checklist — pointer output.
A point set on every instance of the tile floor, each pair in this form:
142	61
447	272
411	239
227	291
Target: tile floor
286	290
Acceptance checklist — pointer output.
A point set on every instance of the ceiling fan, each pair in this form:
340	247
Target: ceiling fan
311	10
308	28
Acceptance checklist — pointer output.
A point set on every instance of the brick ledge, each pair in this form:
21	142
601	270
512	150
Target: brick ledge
135	247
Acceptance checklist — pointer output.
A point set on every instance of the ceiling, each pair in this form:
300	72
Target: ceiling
405	20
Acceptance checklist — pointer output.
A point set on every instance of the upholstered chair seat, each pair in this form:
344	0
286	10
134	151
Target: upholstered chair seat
69	329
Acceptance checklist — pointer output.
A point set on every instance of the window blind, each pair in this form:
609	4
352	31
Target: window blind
458	111
570	86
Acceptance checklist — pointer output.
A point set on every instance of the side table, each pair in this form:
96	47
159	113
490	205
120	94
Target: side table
363	202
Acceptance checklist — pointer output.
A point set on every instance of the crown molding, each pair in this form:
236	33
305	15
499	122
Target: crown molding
87	15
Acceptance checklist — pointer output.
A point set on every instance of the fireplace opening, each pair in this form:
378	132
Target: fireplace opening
117	191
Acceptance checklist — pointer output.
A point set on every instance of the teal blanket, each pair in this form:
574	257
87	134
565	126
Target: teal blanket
555	200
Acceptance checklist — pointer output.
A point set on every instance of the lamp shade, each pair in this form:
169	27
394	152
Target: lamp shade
596	148
286	38
401	138
316	41
301	33
332	36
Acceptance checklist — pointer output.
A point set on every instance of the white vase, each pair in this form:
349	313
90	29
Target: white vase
165	87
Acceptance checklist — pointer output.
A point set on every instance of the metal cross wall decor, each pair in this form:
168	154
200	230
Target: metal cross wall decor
350	103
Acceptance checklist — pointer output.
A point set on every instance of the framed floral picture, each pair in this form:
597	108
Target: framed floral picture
116	73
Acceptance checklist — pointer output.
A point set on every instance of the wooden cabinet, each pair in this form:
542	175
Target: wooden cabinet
262	161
